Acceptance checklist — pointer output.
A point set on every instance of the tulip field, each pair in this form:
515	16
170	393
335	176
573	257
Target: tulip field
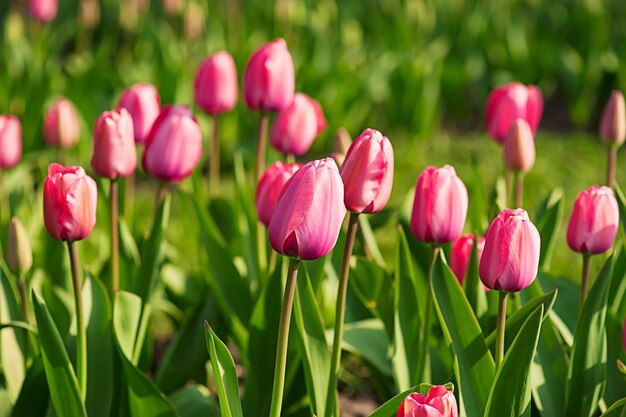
295	208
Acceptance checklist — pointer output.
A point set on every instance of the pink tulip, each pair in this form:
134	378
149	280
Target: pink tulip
309	212
174	145
297	126
10	141
143	103
510	258
367	172
438	403
440	205
114	152
61	127
613	122
594	222
216	85
510	102
519	147
43	10
270	186
69	203
460	253
269	80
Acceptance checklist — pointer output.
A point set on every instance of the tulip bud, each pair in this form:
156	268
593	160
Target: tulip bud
594	222
61	128
613	122
194	21
215	85
309	212
89	13
438	403
10	141
43	10
440	205
510	259
297	125
69	203
19	253
270	186
173	7
367	173
460	253
114	153
510	102
174	145
269	80
143	103
341	145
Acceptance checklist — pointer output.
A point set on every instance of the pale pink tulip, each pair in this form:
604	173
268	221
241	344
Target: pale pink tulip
61	127
114	152
216	84
613	122
519	147
297	125
594	222
43	10
270	186
510	102
10	141
143	103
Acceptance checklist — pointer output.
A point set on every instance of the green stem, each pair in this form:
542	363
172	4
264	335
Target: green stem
115	253
584	283
5	206
261	144
507	186
425	336
340	310
502	295
519	189
129	199
610	167
81	336
214	158
283	339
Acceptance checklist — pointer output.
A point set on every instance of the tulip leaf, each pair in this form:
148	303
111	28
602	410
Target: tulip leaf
35	386
621	202
62	382
370	241
587	370
510	393
548	222
618	409
472	285
390	408
194	401
617	293
373	286
477	202
11	338
368	339
615	380
126	316
474	363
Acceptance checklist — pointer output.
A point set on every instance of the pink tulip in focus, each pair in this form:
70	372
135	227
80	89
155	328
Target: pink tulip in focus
10	141
216	84
43	10
270	186
594	222
613	122
61	127
269	80
114	152
174	145
438	403
519	147
309	213
367	172
143	103
460	253
297	125
440	205
69	203
510	259
510	102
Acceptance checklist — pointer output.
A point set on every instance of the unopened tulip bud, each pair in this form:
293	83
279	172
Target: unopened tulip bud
194	21
297	125
19	252
89	13
43	10
114	153
613	122
438	403
143	103
341	145
510	102
216	85
519	147
594	222
461	252
270	187
10	141
61	127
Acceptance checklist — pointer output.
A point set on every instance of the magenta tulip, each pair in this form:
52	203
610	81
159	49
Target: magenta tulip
309	213
174	145
269	80
61	127
270	186
440	205
510	102
10	141
438	403
43	10
69	203
510	259
519	147
114	152
215	85
460	253
143	103
613	122
367	172
297	125
594	222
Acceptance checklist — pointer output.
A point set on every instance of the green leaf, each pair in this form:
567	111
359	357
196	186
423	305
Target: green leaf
472	285
478	205
587	370
618	409
35	386
368	340
615	380
62	382
474	362
225	374
11	339
621	202
510	392
617	293
548	223
194	401
370	240
390	408
372	285
126	316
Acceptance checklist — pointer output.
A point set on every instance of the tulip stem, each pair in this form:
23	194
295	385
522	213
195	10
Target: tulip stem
502	296
519	189
507	186
261	144
129	195
584	283
610	168
214	158
81	336
340	311
5	206
425	336
115	253
283	339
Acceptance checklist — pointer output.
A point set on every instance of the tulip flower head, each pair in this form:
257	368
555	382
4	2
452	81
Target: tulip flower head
69	203
613	122
143	103
216	84
594	222
460	253
510	259
438	403
114	153
367	172
519	147
61	127
440	205
297	125
10	141
510	102
43	10
309	212
270	187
